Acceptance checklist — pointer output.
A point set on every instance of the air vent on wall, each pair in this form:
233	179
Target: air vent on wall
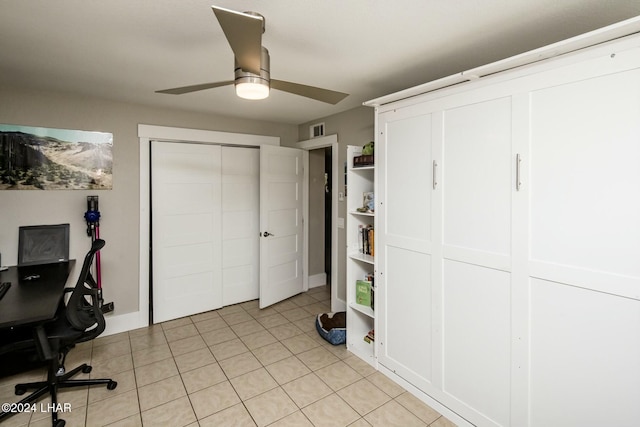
316	130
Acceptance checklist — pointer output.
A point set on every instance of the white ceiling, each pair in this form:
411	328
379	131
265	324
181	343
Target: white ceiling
126	49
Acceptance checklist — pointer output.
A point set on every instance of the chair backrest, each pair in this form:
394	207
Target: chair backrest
83	309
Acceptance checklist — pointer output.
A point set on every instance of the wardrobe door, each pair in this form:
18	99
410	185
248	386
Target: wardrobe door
240	224
585	252
404	190
477	190
186	199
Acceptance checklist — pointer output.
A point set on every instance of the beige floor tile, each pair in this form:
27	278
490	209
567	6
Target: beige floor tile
360	423
338	375
126	382
418	408
273	320
253	383
219	336
443	422
317	358
106	352
208	315
203	377
213	399
235	416
180	332
258	339
151	355
330	411
140	342
193	360
317	308
132	421
246	328
102	369
297	419
156	371
261	313
295	314
360	366
299	343
108	411
285	331
75	417
239	365
75	398
147	330
384	383
176	323
270	407
110	339
307	324
287	370
284	306
392	414
161	392
303	299
239	316
272	353
175	413
211	324
187	345
306	390
228	349
363	396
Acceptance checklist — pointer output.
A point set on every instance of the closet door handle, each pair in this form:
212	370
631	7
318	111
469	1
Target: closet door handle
518	176
435	167
267	234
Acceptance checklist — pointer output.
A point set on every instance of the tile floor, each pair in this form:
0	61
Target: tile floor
237	366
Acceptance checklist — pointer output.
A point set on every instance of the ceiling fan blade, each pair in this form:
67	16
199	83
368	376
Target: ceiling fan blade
194	88
244	34
319	94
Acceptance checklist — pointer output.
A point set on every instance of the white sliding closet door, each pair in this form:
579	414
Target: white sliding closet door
240	224
186	231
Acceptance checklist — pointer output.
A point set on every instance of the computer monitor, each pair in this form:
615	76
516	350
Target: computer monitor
43	244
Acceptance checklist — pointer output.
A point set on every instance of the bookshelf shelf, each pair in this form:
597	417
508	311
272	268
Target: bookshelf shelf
360	264
367	311
359	256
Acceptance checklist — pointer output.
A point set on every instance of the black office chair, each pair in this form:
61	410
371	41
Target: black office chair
80	320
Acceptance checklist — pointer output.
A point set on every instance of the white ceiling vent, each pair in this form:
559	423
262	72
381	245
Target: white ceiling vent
316	130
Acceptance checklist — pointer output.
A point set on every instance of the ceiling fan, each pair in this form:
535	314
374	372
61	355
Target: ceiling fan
252	77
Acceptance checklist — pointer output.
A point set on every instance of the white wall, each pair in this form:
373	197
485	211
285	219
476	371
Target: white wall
353	127
119	206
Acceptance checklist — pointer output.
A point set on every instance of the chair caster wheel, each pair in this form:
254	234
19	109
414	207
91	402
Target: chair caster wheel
112	385
86	369
60	423
20	391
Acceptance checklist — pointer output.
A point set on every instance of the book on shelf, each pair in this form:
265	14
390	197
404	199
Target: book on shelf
363	292
370	337
366	237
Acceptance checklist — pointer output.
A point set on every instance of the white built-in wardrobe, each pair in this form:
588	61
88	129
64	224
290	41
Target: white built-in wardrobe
508	241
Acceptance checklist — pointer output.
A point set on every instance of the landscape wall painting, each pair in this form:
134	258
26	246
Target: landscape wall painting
35	158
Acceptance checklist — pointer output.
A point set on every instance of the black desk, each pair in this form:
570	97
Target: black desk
34	301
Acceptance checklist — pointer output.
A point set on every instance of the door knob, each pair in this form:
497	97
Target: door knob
267	234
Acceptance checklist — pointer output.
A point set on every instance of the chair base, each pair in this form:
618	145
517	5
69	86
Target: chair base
53	383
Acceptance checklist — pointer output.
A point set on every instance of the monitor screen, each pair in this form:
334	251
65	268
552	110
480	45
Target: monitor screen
43	244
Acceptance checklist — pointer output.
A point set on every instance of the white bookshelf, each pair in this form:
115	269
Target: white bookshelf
360	318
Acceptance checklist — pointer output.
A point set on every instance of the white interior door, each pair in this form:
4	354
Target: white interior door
281	228
186	183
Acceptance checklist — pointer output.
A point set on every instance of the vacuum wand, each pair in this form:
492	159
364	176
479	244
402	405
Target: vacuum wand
92	216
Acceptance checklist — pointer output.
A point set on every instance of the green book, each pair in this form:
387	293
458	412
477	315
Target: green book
363	292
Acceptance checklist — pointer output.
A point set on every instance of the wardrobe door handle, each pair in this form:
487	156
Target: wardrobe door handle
435	167
518	176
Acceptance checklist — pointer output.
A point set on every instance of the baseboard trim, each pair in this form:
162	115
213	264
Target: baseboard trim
317	280
125	322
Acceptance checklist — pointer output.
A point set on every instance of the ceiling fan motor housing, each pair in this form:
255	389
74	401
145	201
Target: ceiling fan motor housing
242	76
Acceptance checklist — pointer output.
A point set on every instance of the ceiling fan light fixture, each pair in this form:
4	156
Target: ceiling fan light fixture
252	89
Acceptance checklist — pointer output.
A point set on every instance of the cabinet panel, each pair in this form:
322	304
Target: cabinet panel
406	341
585	154
477	338
408	177
477	177
584	357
